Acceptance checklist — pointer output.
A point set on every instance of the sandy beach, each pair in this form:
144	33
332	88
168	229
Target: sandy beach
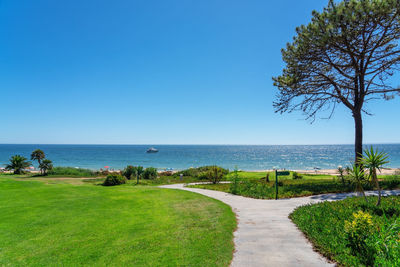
385	171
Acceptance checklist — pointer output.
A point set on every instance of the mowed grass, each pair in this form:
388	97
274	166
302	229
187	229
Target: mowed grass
71	225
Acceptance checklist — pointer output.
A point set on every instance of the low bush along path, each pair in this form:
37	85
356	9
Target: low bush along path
265	235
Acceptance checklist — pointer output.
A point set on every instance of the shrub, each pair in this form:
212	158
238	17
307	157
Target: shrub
203	175
129	171
357	233
215	174
200	172
188	172
166	173
150	173
391	182
296	176
114	179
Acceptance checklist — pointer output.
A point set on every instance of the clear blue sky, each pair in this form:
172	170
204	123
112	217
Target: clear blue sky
159	72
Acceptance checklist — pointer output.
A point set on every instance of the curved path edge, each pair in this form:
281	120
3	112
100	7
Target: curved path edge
265	235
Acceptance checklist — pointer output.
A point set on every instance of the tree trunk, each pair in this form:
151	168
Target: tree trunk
378	187
358	145
363	193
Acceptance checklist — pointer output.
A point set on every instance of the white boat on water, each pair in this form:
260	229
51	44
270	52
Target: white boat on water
152	150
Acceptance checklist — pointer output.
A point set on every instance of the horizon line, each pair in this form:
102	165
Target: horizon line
160	144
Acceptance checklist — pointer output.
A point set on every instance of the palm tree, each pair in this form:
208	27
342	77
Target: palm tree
139	172
45	165
358	176
38	155
18	164
341	174
374	160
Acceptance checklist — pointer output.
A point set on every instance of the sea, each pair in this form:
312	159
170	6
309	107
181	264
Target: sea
242	157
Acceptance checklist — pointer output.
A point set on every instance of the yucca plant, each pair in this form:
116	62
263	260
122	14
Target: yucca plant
373	161
341	174
347	170
357	175
18	164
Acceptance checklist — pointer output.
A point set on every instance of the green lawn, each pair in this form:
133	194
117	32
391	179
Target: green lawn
247	175
260	175
329	236
68	172
54	224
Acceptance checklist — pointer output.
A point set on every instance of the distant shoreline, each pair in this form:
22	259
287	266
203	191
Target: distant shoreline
301	158
386	171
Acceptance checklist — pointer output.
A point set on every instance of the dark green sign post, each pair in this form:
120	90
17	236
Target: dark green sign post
284	173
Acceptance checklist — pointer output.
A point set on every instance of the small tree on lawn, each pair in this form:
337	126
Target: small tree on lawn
45	166
215	174
38	155
373	161
18	164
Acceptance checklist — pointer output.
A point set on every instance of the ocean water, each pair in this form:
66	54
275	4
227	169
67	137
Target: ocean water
245	157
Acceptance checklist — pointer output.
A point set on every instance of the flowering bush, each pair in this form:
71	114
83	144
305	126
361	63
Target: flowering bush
357	233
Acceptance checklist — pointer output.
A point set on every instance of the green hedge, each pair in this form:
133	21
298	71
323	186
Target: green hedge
71	171
200	172
114	179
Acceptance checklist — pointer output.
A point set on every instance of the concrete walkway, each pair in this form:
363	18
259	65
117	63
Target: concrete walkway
265	235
